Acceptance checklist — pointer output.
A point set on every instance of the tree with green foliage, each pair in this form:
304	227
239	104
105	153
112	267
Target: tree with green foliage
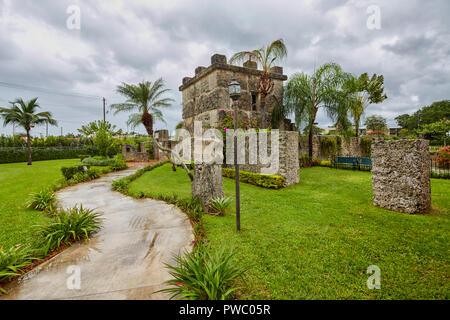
266	56
145	98
437	131
25	115
361	92
305	95
95	126
376	123
435	112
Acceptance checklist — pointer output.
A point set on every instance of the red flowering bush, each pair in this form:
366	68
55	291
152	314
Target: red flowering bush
376	132
444	157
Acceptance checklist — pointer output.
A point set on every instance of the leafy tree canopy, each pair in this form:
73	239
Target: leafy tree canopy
436	112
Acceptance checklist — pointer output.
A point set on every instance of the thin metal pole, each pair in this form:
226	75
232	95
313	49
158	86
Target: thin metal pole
236	171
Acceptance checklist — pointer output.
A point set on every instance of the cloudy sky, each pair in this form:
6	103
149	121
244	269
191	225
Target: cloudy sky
70	70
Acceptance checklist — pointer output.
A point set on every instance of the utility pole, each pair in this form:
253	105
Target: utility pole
46	129
61	131
14	128
104	109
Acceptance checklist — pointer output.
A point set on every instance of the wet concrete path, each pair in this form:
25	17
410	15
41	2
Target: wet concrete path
125	260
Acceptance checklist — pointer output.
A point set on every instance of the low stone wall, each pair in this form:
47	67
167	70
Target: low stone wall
288	158
401	175
349	147
130	152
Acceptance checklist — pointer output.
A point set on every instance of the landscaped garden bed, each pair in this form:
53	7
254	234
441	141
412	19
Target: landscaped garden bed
316	239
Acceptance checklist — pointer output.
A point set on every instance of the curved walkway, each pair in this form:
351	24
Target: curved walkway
125	260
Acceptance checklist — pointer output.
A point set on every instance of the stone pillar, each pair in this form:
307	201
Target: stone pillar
401	175
207	183
289	166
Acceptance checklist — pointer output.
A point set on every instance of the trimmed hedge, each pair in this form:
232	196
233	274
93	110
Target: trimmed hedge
12	155
98	162
257	179
69	172
121	185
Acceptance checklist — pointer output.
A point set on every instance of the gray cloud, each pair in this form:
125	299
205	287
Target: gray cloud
133	41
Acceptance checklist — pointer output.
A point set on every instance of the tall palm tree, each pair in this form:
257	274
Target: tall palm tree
24	114
306	94
145	98
361	92
266	57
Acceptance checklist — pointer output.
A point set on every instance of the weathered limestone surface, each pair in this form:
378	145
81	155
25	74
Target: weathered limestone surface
401	175
288	158
162	136
130	152
350	147
207	183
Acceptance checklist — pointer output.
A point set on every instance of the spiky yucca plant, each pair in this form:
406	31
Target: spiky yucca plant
69	225
43	200
220	204
203	274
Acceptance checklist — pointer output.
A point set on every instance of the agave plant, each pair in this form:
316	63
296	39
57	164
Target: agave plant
203	274
44	200
220	204
69	225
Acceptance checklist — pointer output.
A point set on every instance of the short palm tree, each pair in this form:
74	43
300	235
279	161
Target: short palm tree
306	94
146	98
24	114
266	57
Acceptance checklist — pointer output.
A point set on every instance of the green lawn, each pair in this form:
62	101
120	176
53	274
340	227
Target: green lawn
316	239
17	181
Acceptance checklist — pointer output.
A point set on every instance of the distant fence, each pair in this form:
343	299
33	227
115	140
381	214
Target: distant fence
439	171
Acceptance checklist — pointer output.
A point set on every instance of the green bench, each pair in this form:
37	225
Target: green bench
355	162
365	163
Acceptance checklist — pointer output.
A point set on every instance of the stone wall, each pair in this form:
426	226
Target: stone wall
162	136
206	94
130	152
350	147
401	175
288	158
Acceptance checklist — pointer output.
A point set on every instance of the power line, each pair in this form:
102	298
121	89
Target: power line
47	91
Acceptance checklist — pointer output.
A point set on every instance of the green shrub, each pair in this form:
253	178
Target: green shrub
83	156
440	175
325	163
365	145
98	161
204	274
67	226
304	161
328	147
121	185
12	155
43	200
257	179
220	204
12	260
118	165
69	172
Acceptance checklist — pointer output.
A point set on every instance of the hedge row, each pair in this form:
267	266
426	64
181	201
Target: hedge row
11	155
121	185
257	179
